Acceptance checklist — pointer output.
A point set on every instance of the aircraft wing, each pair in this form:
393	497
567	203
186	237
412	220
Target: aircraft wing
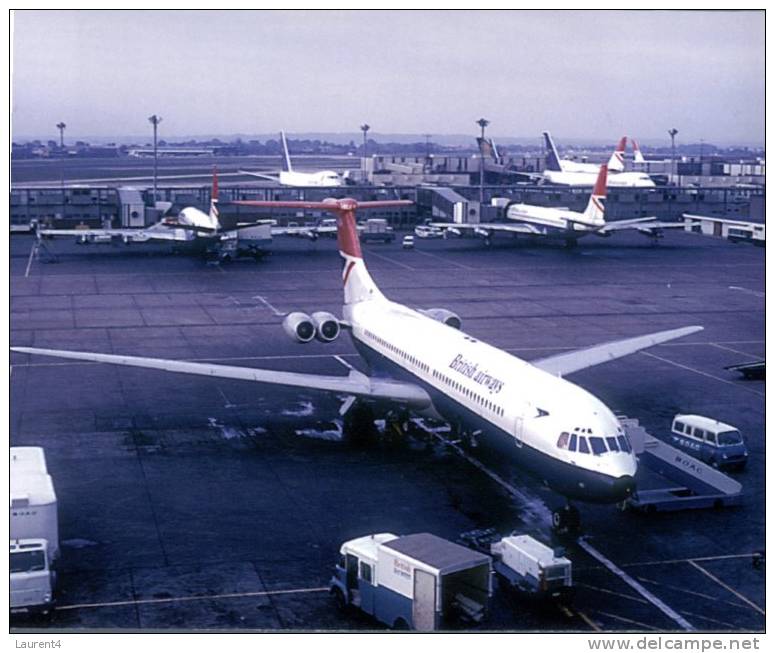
260	175
134	235
356	383
516	228
639	224
569	362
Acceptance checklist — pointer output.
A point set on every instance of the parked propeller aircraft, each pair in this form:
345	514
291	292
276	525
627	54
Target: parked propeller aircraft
289	177
549	222
419	361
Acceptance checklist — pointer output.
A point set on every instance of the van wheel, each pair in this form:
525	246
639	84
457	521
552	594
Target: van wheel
400	624
339	601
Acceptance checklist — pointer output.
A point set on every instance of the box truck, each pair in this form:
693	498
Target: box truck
34	532
419	581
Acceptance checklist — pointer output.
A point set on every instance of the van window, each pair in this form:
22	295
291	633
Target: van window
679	426
699	433
728	438
710	438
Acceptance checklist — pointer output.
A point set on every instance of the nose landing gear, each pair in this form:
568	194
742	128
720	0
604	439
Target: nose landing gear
566	520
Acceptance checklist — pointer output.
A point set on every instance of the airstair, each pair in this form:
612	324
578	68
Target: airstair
694	483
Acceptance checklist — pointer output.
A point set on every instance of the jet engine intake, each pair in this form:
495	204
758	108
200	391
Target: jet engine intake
444	316
327	327
299	327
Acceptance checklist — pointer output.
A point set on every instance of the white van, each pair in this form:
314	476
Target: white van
713	442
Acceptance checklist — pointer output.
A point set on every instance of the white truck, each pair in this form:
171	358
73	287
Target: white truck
419	581
34	532
527	565
377	229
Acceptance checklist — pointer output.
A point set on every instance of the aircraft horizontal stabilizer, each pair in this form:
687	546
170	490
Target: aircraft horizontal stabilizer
356	383
581	359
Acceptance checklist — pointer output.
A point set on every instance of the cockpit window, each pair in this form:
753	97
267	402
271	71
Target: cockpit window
572	445
562	443
624	444
583	446
598	446
612	445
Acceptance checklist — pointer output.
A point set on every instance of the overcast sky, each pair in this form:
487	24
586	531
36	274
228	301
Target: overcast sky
592	75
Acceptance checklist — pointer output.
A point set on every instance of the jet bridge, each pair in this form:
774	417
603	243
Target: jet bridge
697	485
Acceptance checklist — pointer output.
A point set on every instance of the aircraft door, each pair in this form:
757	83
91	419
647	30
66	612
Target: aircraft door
518	430
424	604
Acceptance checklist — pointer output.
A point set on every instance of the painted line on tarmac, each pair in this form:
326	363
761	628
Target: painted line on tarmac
271	307
443	260
605	591
204	597
701	373
675	588
640	624
736	351
673	561
390	260
571	613
624	576
745	600
748	291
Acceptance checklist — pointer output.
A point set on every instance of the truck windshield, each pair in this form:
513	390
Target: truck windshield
729	437
22	561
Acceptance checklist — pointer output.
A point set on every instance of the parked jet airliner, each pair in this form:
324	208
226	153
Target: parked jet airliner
289	177
565	172
420	361
544	221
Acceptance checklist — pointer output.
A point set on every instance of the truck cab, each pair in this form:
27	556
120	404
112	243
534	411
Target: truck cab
31	580
713	442
355	575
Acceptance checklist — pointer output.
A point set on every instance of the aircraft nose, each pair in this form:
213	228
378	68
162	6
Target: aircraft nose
624	487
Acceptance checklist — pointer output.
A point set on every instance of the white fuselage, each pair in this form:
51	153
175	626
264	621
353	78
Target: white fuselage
323	179
587	179
526	406
551	219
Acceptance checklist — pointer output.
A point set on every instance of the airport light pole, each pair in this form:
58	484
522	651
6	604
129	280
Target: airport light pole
428	150
672	133
155	120
61	127
365	129
482	123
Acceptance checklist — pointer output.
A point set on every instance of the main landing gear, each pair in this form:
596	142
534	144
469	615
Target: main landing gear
566	520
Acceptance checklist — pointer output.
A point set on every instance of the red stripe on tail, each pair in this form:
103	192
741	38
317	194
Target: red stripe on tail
622	144
602	179
347	233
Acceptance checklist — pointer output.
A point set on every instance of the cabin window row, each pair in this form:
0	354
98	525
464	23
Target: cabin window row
399	352
595	445
479	399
